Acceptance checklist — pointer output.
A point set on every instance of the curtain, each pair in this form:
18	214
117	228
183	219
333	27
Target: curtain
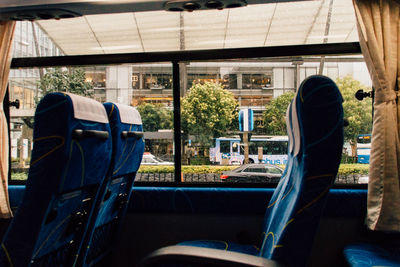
379	33
6	35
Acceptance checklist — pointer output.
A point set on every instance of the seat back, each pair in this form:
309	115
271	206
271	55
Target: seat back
70	158
315	129
128	148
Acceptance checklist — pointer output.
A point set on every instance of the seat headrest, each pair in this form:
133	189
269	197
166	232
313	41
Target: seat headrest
128	114
88	109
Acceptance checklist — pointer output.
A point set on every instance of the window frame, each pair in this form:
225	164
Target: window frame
177	57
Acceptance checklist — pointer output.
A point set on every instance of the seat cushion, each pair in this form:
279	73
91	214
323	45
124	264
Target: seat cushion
361	255
223	245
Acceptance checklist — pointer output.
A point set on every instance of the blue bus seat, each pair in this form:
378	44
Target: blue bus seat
128	149
315	129
373	254
70	159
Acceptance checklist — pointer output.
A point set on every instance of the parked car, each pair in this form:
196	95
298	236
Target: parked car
261	172
150	159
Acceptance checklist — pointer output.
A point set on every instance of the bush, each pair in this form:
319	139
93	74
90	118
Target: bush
19	176
200	161
186	169
348	169
344	169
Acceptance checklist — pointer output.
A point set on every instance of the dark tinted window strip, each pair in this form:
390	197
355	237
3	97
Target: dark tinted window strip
176	56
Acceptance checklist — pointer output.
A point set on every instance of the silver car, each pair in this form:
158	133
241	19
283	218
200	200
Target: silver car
261	172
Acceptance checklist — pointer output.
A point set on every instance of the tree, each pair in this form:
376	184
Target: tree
208	111
275	114
357	113
58	80
72	80
155	117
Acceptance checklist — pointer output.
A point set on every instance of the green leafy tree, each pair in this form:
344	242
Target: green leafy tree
57	80
357	113
72	80
155	117
208	111
275	114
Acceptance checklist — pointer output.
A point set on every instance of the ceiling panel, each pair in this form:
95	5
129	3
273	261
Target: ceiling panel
273	24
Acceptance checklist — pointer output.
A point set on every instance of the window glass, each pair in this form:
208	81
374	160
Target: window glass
158	81
256	81
255	169
212	91
225	146
273	170
105	84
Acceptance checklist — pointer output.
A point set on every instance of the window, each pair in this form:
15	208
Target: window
255	169
249	82
273	170
225	146
256	81
158	81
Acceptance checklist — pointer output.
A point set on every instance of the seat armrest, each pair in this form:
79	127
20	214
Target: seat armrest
199	256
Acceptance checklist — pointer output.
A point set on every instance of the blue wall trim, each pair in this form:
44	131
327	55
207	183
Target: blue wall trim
341	202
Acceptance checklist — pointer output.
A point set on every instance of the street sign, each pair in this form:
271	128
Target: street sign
246	120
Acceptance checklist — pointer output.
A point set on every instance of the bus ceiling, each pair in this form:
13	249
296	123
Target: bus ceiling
61	9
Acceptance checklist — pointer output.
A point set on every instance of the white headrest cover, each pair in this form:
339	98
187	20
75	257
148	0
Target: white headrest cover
129	114
296	127
88	109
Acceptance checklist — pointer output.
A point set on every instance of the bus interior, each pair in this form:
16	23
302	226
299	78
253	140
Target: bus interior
156	52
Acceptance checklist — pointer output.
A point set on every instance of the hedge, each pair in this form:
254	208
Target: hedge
344	169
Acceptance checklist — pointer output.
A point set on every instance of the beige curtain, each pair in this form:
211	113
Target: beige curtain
6	35
379	33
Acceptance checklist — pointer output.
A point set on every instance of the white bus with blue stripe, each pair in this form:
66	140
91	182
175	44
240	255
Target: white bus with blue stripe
229	150
363	148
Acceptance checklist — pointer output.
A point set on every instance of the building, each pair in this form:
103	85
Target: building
254	82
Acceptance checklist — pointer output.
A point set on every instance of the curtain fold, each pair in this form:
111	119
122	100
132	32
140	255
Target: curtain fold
379	33
6	36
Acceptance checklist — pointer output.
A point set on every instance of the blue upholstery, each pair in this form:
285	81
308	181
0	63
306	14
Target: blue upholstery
315	148
63	183
126	157
367	255
315	130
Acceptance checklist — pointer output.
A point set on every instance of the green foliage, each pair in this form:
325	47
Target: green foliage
275	113
357	113
200	161
21	176
186	169
348	169
208	111
344	169
72	80
155	117
58	80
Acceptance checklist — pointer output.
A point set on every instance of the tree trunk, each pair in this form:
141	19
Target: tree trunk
353	151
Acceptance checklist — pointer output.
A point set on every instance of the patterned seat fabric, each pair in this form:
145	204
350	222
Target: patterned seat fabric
315	129
70	159
367	255
128	148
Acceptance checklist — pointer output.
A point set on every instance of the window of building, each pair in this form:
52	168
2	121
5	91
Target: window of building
256	81
158	81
